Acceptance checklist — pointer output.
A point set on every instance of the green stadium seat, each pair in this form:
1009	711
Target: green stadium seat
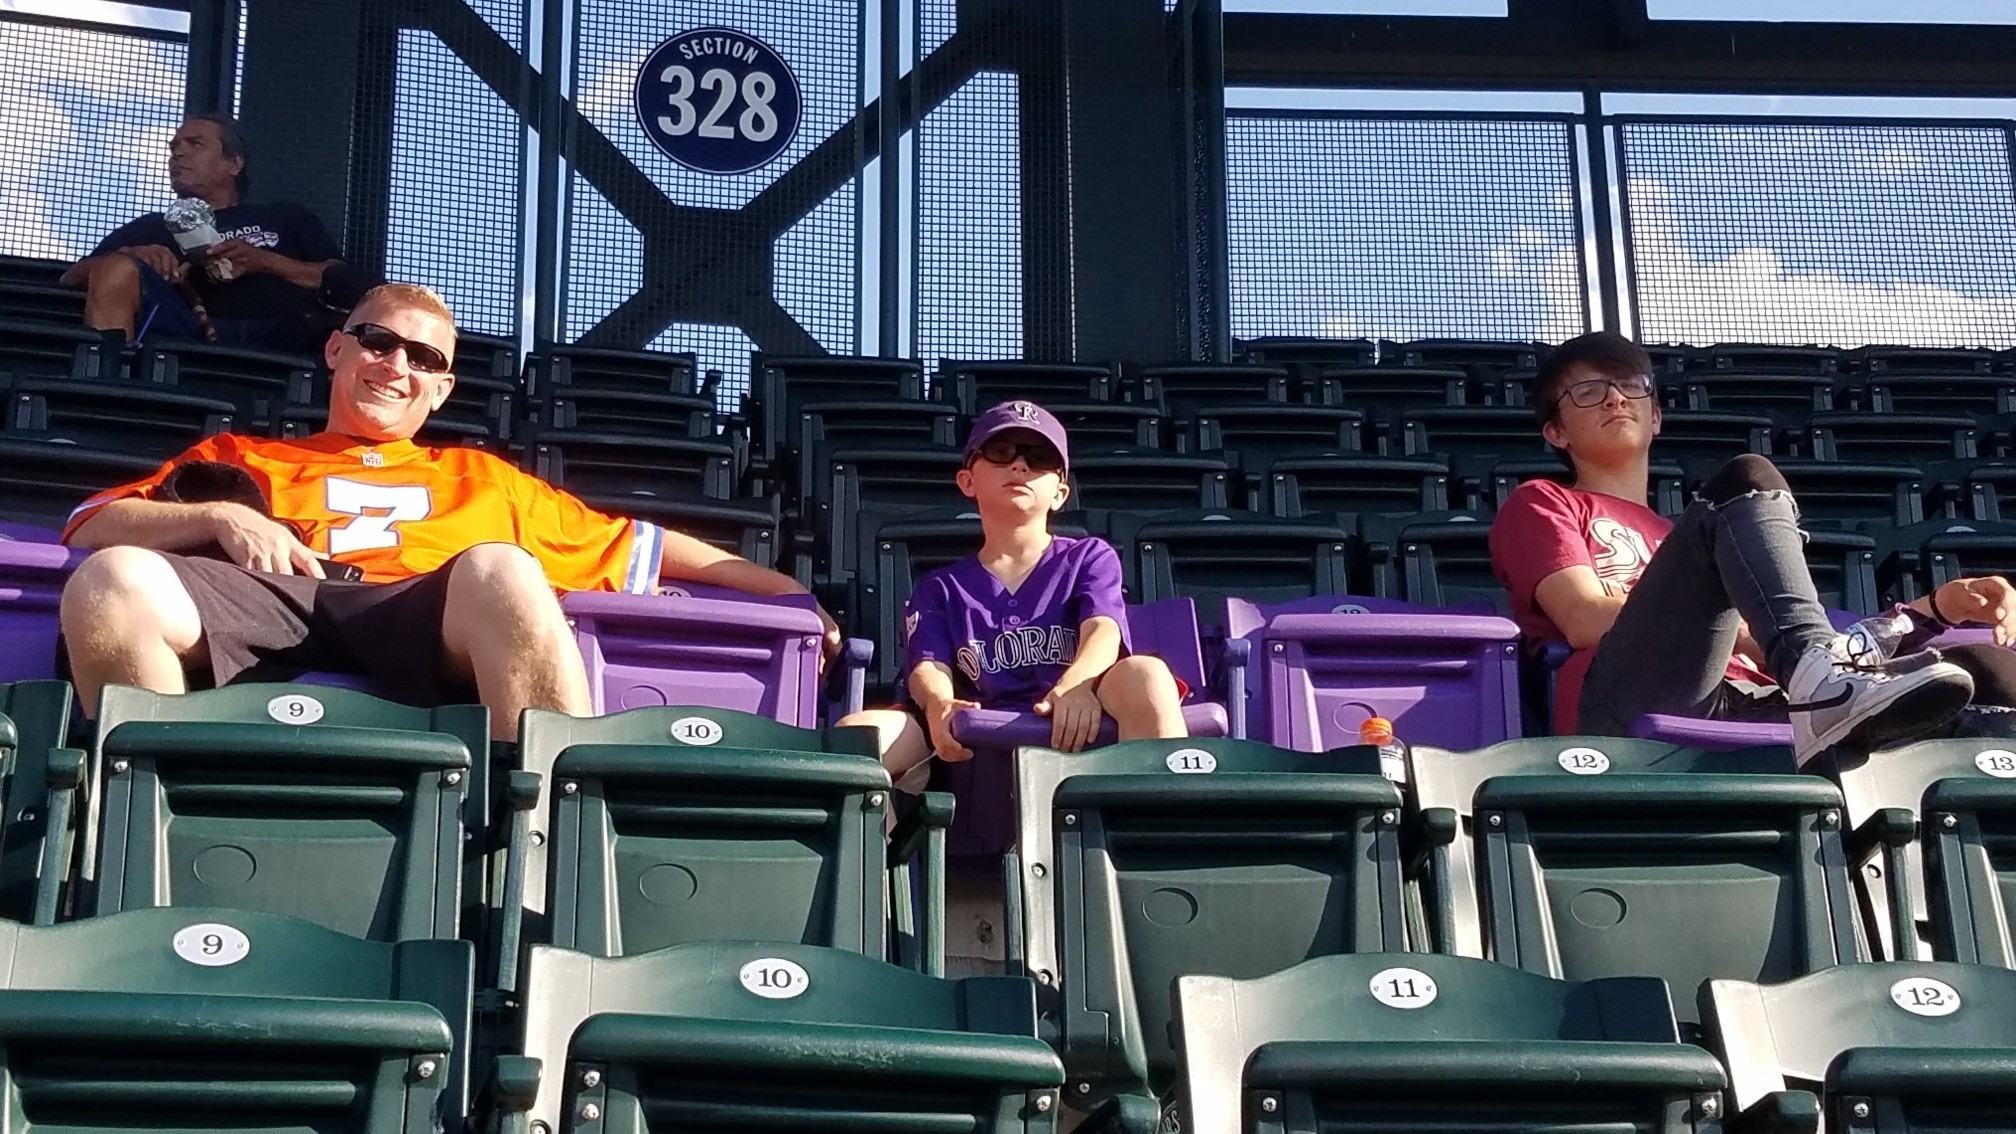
974	386
670	825
1890	1048
38	798
1415	1042
765	1036
1326	487
1152	859
1443	832
1182	388
1210	555
353	820
1931	827
1727	871
221	1019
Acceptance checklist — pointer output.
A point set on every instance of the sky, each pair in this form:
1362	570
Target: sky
1343	224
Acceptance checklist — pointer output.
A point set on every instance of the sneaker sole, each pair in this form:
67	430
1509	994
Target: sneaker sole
1914	713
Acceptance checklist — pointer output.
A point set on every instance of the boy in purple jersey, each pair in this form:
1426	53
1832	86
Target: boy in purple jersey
1033	621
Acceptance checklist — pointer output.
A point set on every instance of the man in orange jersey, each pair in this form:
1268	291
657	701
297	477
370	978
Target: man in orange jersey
458	553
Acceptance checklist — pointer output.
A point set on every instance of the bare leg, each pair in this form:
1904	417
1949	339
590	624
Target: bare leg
1140	694
128	621
502	628
903	745
112	295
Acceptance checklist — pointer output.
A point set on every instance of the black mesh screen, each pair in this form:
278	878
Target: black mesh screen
85	119
1362	225
969	224
758	260
1821	232
457	172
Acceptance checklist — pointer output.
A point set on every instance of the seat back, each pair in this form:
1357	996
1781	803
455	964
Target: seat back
111	1018
1444	785
1254	436
1733	873
617	465
1139	480
1899	1045
38	797
121	417
1413	1041
42	482
779	386
1327	486
753	655
680	824
1184	388
324	804
31	584
766	1035
974	386
1210	556
1325	665
1911	907
1153	859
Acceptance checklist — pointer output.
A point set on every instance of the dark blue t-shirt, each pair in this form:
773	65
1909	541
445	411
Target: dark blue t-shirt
282	226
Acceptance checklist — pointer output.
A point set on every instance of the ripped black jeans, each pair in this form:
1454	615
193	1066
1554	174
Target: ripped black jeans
1735	555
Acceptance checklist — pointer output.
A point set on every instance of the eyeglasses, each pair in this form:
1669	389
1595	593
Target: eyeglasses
1591	392
1040	458
383	342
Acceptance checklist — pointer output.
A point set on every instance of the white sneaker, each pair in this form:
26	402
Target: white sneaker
1840	695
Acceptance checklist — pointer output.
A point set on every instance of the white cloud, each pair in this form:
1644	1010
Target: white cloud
1752	296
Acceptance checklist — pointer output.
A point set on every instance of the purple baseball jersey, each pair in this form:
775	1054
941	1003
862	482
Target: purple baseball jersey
1007	650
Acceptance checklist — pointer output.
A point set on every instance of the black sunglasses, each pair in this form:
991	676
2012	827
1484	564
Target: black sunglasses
1038	456
383	342
1591	392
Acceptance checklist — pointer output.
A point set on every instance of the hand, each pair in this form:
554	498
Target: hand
942	741
831	647
259	544
245	259
1074	715
162	259
1988	600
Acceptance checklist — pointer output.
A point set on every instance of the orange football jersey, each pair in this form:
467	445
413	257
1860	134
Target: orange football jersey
397	509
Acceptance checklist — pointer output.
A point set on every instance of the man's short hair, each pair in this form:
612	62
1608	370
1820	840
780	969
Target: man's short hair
407	295
1607	353
232	141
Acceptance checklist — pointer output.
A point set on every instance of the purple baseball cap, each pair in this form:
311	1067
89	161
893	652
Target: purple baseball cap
1018	415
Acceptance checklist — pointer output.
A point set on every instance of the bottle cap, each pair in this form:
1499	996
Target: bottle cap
1375	730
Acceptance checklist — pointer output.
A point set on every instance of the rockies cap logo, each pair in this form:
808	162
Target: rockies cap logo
1025	411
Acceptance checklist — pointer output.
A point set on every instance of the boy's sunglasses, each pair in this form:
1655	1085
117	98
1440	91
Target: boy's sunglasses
382	342
1038	456
1590	393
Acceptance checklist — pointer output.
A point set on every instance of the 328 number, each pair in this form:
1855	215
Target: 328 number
756	123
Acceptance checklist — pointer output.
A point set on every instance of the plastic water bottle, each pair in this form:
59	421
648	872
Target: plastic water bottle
1378	732
1876	638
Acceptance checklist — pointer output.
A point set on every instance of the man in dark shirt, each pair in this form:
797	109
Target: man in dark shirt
263	284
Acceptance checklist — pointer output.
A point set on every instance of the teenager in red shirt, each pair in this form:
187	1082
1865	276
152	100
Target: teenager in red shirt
1714	615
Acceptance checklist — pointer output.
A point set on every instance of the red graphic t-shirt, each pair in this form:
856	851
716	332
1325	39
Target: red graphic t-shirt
1545	527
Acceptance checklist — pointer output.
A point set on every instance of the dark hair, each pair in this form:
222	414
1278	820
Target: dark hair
1608	353
231	141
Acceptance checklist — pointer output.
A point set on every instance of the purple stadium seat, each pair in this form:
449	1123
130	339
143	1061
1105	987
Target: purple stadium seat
1446	677
984	823
701	646
31	582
